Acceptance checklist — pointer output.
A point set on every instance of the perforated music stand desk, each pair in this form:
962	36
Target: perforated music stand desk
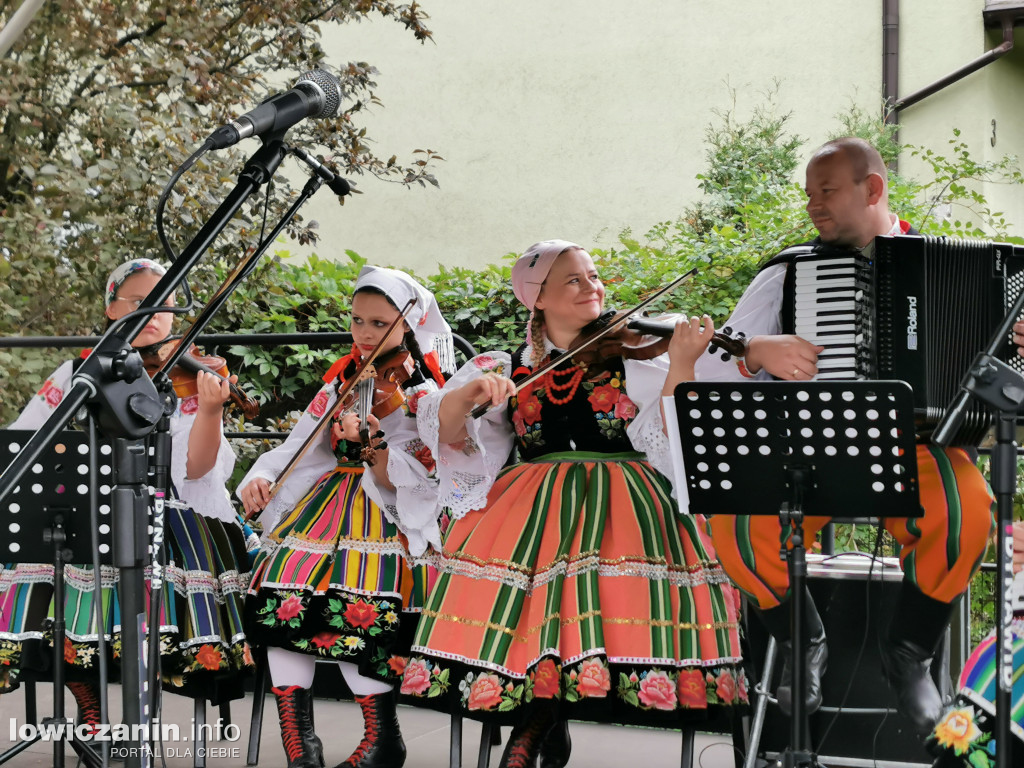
791	449
57	484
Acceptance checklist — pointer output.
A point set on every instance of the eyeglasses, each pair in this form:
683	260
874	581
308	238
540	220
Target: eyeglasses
135	303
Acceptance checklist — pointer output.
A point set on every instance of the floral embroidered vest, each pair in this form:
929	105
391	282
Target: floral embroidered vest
564	411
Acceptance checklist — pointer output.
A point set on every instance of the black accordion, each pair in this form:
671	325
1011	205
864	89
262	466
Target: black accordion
914	308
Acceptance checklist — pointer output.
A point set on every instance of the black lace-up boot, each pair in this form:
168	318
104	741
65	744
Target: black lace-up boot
302	747
382	745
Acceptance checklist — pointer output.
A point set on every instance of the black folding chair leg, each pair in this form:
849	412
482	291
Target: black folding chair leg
199	760
486	740
455	743
259	696
689	740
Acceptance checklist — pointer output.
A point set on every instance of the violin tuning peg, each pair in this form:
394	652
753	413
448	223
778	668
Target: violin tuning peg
380	446
379	434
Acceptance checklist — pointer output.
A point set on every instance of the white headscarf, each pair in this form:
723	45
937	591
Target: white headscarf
432	331
126	270
531	270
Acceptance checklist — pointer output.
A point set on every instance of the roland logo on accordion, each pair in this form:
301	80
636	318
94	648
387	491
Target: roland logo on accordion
911	322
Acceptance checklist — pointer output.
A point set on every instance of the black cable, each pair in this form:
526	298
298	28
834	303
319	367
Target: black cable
161	204
700	755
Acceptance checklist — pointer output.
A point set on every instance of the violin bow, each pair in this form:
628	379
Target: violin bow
343	393
481	409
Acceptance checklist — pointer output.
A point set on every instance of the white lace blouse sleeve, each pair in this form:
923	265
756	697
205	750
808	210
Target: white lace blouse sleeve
644	382
317	461
38	409
412	505
466	471
757	313
206	495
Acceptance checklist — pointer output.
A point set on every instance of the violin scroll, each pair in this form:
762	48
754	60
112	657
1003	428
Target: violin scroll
731	346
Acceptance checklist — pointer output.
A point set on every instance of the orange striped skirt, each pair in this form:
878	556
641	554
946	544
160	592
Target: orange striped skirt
579	581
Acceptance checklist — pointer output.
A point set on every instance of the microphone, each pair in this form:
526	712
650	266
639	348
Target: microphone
316	94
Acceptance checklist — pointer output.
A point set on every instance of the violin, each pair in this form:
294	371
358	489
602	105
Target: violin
631	341
335	409
614	323
183	374
379	392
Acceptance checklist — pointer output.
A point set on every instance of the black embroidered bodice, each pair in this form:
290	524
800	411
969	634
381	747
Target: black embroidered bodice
564	411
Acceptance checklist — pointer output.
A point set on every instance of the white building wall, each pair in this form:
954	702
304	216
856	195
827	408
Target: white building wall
574	119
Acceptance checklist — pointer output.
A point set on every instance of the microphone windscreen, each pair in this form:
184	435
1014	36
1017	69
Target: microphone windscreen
328	89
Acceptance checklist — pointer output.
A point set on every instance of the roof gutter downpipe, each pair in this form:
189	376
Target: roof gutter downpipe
985	59
891	64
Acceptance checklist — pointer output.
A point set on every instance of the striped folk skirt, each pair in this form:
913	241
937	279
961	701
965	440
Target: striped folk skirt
202	642
332	580
579	581
966	733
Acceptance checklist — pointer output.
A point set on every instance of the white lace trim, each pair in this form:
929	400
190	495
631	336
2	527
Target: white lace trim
377	547
185	582
650	440
527	583
568	660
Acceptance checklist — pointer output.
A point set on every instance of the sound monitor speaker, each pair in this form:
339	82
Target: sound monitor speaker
855	612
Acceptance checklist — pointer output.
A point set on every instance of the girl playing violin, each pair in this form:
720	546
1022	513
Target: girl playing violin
202	642
333	577
569	584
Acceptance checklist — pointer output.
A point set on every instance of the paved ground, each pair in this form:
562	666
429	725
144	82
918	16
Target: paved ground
339	724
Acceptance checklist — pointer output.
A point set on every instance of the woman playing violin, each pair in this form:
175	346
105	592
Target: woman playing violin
333	579
569	585
201	636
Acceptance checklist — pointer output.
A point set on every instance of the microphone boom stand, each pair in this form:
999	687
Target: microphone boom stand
128	408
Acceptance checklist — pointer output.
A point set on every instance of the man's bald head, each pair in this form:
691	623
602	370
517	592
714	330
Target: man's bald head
862	157
847	193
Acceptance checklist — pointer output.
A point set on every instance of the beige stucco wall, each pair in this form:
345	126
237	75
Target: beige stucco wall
577	118
935	43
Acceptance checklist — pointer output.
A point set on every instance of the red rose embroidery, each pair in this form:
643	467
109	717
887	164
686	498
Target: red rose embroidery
397	664
484	362
517	422
594	679
190	405
361	614
484	692
325	639
529	407
726	687
290	608
414	400
318	407
545	681
424	457
603	398
691	689
209	657
658	691
52	394
625	408
415	677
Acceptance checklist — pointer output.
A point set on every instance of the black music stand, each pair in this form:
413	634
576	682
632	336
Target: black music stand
801	446
47	519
